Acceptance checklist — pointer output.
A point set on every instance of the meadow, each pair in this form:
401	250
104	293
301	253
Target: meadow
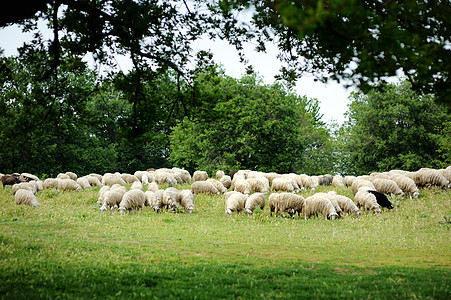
66	248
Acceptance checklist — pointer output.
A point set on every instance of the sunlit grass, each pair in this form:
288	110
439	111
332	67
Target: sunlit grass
67	247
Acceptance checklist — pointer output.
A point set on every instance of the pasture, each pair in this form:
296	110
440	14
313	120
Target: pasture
67	248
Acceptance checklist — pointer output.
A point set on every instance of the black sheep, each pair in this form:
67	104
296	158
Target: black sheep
10	179
382	200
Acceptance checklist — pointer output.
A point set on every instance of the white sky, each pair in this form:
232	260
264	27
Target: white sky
333	97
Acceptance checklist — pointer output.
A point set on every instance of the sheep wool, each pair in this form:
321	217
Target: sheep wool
63	176
254	200
69	185
94	180
170	198
242	186
307	182
200	176
186	199
153	186
259	184
348	180
333	201
406	184
219	174
346	204
285	203
358	183
164	177
72	175
316	205
226	181
137	185
234	202
282	185
366	200
218	185
83	183
133	199
338	180
111	179
31	186
426	177
111	199
101	193
155	201
51	183
387	186
203	187
25	197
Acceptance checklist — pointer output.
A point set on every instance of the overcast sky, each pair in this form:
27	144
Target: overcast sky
333	97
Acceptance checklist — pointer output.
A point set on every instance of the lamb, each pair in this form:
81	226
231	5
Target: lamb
317	204
406	184
338	181
111	199
365	200
218	185
51	183
137	185
333	201
242	186
83	183
31	186
358	183
285	203
259	184
282	185
200	176
203	187
234	201
254	200
25	197
346	204
426	177
219	174
226	181
387	186
68	185
133	199
170	198
10	179
110	179
186	199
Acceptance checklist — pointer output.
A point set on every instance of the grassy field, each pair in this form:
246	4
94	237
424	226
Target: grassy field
67	248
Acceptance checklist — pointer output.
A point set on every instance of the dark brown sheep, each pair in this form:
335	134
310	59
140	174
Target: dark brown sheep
10	179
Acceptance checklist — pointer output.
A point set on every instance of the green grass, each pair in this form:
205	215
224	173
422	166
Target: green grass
67	248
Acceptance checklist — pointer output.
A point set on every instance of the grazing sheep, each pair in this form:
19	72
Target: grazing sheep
129	178
381	199
9	179
316	205
94	180
26	177
406	184
446	173
111	199
200	176
25	197
218	185
219	174
164	177
367	201
242	186
155	199
237	177
133	199
83	183
101	194
387	186
254	200
153	186
338	181
68	185
285	203
31	186
333	201
234	201
307	182
72	176
111	179
186	199
232	173
259	184
282	185
346	204
348	180
170	198
426	177
98	176
137	185
292	178
52	183
203	187
358	183
63	176
271	176
226	181
327	180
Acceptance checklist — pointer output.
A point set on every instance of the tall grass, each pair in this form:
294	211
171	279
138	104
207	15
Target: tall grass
67	248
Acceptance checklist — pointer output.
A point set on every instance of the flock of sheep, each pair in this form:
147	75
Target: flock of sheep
243	190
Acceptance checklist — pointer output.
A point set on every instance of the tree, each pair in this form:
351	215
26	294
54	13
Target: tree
392	128
355	42
255	126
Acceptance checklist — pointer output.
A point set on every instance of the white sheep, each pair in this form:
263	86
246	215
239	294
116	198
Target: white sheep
170	198
226	181
259	184
242	186
98	176
358	183
254	200
25	197
307	182
26	177
316	205
31	186
446	173
51	183
426	177
346	204
270	176
152	186
137	185
203	187
129	178
155	199
348	180
94	180
292	178
234	202
333	201
186	199
387	186
110	179
338	181
83	182
62	176
200	176
68	185
218	185
285	203
164	177
133	199
282	185
72	175
366	200
406	184
219	174
111	199
101	193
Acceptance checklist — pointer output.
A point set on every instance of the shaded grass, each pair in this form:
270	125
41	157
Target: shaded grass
67	248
